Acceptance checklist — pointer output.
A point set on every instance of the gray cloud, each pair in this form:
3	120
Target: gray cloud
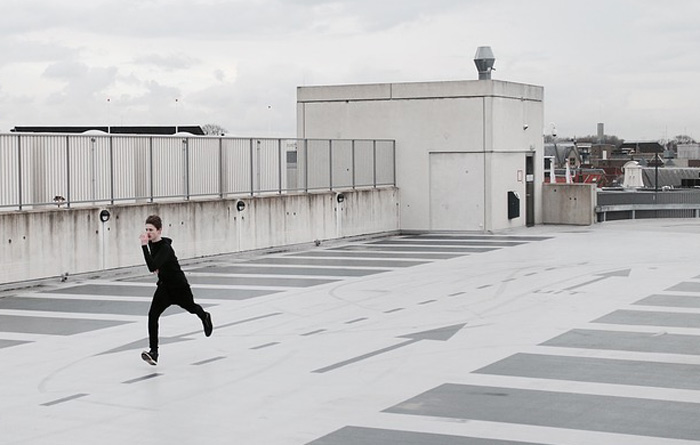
170	62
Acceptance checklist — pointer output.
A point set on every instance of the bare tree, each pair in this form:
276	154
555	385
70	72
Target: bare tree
214	130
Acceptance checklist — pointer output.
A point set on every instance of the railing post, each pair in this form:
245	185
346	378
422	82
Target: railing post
393	155
19	170
279	164
150	162
252	170
353	164
330	164
221	167
306	166
186	151
111	169
68	197
374	163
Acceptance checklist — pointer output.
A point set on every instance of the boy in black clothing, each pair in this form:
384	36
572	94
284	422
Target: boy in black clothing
173	287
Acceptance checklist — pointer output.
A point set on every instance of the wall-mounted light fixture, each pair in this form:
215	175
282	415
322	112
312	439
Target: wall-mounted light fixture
340	197
105	215
240	206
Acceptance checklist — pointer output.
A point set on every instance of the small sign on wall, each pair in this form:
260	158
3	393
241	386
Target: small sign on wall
520	176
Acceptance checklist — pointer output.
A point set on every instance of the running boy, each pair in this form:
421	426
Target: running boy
173	287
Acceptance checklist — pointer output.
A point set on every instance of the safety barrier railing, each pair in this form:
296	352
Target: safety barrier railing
40	170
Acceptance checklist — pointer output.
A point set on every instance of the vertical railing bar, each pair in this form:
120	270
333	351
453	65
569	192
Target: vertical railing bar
374	163
252	170
150	161
19	169
393	150
306	166
68	197
186	149
330	164
221	167
111	169
353	164
279	165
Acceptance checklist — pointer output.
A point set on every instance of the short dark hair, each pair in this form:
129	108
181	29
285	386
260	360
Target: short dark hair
155	221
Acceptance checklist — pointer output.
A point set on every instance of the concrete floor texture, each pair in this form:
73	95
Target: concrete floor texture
545	335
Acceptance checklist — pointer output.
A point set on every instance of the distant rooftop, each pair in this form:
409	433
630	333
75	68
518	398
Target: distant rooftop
157	130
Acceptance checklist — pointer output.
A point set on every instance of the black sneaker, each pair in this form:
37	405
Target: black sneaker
208	326
151	357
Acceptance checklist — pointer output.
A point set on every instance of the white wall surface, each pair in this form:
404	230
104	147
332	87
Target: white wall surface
41	244
495	118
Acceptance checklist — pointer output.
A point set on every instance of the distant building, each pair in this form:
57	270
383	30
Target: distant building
195	130
561	151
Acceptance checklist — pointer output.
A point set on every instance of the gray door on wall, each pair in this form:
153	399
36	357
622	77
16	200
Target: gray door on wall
456	191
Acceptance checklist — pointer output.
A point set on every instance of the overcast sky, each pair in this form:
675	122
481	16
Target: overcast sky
632	64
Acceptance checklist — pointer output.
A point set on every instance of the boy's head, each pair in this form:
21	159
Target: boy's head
155	221
154	226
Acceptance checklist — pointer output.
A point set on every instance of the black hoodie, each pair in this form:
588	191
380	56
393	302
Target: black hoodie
161	257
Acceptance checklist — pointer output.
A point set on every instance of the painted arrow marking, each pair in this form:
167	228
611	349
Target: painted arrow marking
440	334
603	276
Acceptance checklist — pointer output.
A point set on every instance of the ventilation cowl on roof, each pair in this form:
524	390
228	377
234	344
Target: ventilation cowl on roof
484	61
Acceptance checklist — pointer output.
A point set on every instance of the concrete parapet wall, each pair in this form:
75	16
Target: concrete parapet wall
569	204
42	244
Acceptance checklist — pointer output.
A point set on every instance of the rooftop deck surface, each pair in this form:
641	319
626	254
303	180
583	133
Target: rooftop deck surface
545	335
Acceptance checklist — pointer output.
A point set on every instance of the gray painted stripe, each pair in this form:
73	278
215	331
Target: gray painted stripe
670	301
266	345
10	343
147	291
356	320
347	262
404	248
363	357
64	399
210	360
600	370
107	289
83	306
426	302
628	341
671	319
369	254
686	286
53	325
353	435
317	331
275	270
623	415
258	281
432	242
478	237
141	379
76	306
391	311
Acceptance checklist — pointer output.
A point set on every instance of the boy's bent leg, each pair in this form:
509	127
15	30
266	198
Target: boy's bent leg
186	301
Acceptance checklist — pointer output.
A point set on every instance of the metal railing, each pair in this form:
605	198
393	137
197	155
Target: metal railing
642	204
69	170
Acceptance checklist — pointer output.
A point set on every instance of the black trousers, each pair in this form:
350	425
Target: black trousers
164	298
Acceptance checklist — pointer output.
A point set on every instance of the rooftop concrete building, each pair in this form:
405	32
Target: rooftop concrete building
469	154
